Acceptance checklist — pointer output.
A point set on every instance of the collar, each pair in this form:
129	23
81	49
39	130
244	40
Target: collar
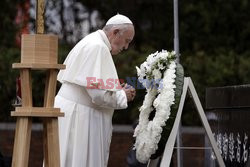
105	38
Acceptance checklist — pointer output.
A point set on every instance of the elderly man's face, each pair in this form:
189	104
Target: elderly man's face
121	40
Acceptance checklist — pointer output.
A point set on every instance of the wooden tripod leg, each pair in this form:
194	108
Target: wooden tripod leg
51	137
23	125
52	143
22	142
45	143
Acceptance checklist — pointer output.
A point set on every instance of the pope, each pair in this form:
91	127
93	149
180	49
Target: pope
86	129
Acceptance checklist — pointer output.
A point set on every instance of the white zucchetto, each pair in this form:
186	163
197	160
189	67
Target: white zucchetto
119	19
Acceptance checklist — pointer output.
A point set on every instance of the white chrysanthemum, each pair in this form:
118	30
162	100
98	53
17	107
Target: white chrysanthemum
138	71
148	133
157	74
160	65
150	60
164	55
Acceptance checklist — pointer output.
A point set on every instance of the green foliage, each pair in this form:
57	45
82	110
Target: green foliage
7	24
153	20
214	45
7	81
8	54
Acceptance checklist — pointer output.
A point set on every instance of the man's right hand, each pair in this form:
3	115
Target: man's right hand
130	92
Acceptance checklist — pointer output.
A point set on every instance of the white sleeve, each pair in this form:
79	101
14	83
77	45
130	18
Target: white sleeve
108	99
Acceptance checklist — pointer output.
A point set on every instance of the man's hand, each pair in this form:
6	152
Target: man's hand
130	92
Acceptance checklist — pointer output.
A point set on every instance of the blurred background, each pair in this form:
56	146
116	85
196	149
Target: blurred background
214	43
214	40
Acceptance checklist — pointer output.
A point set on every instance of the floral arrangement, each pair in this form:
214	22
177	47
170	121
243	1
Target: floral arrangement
158	74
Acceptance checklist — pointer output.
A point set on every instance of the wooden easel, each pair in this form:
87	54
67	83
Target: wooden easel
25	113
38	52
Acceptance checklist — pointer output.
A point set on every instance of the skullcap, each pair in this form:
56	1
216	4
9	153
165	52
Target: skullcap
119	19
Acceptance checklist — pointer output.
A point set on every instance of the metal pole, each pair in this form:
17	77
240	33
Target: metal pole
176	31
179	145
177	51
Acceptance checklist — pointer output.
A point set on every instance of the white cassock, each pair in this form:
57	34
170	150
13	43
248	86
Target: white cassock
86	129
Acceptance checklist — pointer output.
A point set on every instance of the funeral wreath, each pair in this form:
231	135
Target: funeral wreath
163	79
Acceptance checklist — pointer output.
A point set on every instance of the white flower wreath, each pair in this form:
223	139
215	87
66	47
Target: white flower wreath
160	96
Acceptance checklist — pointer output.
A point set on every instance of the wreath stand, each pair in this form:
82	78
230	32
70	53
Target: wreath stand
38	52
167	155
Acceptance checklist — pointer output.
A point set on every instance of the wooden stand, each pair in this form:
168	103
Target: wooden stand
25	113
